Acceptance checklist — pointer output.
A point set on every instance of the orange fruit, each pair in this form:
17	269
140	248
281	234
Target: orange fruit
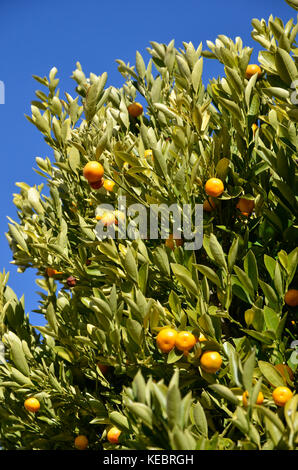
259	401
81	442
291	297
113	435
173	241
32	404
93	171
96	185
108	185
52	272
185	341
108	219
135	109
210	361
209	205
246	206
214	187
281	395
165	339
103	368
252	69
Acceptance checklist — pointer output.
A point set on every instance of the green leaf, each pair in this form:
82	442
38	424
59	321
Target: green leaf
209	273
200	419
184	277
224	392
217	251
17	353
232	255
285	66
251	269
140	65
130	265
119	420
248	370
271	374
196	75
135	330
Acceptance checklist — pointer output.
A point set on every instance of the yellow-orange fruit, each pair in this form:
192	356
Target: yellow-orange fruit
108	185
93	171
210	361
165	339
252	69
135	109
246	206
32	404
81	442
281	395
113	435
209	205
291	297
185	340
259	401
214	187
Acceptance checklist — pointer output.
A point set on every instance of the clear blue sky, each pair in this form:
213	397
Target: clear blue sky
36	35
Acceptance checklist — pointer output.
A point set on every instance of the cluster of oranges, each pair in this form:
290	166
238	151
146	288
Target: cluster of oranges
214	187
168	338
281	395
81	441
93	171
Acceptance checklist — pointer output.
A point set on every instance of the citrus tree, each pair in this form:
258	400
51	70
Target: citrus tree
147	344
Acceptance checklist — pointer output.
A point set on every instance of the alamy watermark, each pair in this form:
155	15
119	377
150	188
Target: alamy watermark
2	92
294	94
152	222
2	353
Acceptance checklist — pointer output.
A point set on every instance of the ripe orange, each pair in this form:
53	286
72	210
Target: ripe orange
259	401
32	404
211	361
246	206
52	272
96	185
108	219
291	297
93	171
165	339
209	205
81	442
214	187
252	69
103	368
113	435
185	341
281	395
135	109
108	185
173	241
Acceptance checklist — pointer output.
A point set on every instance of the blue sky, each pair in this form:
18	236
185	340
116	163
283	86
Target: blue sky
35	36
